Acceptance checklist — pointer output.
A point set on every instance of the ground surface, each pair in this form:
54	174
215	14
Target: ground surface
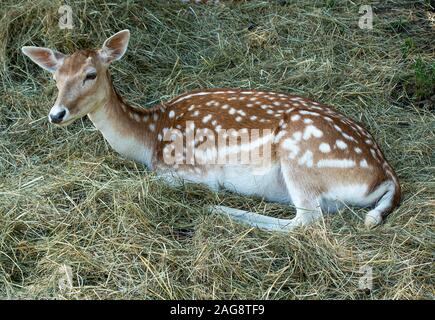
79	221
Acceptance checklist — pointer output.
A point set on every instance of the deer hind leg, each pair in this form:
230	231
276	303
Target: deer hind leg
303	192
304	197
383	205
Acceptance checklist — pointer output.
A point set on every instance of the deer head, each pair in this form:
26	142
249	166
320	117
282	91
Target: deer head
82	79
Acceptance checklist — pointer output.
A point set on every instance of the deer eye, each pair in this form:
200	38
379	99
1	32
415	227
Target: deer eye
90	76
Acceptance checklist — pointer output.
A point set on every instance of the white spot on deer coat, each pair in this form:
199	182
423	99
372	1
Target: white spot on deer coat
336	163
305	112
324	147
341	144
348	137
297	136
363	163
312	131
295	117
292	146
206	118
306	159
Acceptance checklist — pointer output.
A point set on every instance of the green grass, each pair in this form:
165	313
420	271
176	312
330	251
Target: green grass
70	204
424	79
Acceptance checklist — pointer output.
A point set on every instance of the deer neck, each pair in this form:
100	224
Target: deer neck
129	131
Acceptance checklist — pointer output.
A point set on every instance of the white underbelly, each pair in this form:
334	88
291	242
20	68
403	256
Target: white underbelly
242	179
246	180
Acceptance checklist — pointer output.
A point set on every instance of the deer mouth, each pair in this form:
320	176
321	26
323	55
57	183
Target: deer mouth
64	123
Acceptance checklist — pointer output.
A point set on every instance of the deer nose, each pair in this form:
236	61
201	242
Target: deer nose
57	117
57	114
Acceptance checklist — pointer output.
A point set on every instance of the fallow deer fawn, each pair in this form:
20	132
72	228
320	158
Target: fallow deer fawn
316	158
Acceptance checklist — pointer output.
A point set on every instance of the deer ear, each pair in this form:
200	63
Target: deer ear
45	58
114	47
